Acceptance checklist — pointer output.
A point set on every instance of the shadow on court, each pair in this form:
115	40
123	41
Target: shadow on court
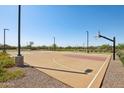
87	71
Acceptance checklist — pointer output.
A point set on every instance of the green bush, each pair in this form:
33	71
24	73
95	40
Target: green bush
6	61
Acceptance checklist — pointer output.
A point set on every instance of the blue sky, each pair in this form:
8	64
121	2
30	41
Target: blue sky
67	23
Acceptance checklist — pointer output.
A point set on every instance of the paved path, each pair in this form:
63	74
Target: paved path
114	77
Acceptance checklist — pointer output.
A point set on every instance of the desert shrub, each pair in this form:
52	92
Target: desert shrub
2	70
16	74
120	53
9	75
122	59
121	56
6	61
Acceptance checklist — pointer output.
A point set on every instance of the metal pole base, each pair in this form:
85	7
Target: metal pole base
19	60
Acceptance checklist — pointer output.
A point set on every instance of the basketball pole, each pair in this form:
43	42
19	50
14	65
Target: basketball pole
112	40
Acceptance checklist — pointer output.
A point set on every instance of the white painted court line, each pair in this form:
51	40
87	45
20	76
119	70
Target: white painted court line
71	69
97	74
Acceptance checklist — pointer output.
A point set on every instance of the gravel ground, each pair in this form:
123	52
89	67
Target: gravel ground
114	77
34	79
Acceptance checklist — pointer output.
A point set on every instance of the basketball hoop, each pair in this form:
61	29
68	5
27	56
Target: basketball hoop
98	35
112	40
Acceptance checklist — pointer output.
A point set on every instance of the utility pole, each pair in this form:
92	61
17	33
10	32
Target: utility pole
54	43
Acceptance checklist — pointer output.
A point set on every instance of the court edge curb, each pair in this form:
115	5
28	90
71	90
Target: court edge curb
105	72
107	62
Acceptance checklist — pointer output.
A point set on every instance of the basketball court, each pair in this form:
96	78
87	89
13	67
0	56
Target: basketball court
78	70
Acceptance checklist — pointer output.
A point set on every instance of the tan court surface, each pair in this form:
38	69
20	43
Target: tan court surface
69	67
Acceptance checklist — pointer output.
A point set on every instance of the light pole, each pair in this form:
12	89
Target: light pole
87	41
112	40
4	46
19	58
19	30
54	42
